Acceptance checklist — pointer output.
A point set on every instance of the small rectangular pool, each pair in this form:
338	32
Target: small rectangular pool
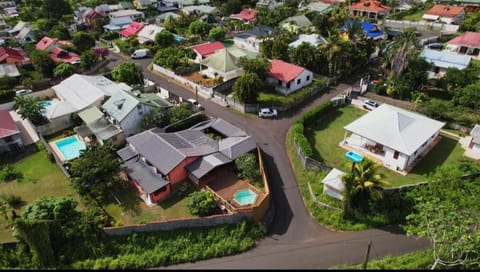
70	147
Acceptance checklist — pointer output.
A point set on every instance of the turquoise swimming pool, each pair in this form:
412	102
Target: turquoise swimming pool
354	156
178	38
70	147
245	197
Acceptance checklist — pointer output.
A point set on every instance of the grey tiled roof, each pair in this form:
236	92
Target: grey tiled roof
127	153
144	175
201	166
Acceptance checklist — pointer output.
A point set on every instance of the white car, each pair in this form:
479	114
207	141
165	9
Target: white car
267	113
370	105
194	103
23	92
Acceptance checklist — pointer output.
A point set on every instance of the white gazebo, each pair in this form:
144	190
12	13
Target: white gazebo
333	184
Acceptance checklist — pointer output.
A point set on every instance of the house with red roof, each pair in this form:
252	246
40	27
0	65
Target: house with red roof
10	139
247	15
467	43
206	49
61	55
132	29
13	56
369	8
47	44
288	78
445	14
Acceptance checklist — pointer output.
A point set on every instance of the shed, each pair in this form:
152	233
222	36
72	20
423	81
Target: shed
333	184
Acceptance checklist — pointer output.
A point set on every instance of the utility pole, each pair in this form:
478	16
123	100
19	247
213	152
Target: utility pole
366	255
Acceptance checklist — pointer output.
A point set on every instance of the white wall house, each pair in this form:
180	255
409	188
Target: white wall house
467	43
120	15
288	78
475	139
442	60
445	14
252	39
395	136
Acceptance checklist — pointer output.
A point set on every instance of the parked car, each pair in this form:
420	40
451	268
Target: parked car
370	105
195	104
140	53
23	92
267	113
435	46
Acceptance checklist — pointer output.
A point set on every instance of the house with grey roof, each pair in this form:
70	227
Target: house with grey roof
442	60
226	63
96	128
127	109
23	32
396	137
295	23
157	162
269	4
251	40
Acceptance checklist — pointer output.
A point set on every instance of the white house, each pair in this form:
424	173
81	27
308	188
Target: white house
251	40
127	109
287	77
445	14
147	33
474	144
333	184
120	15
78	92
395	136
225	63
466	43
442	60
312	39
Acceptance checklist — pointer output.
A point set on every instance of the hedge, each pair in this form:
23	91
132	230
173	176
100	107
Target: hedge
307	118
7	96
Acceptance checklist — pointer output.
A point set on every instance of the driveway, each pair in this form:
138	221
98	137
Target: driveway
295	239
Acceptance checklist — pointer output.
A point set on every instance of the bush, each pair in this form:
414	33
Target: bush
7	96
201	203
13	201
8	173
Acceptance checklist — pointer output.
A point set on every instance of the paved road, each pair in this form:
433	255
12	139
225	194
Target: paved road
295	239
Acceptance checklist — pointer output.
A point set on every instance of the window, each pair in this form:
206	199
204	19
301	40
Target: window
279	83
140	109
288	85
308	78
298	81
395	155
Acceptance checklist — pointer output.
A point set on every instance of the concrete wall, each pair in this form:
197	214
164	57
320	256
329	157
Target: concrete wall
179	223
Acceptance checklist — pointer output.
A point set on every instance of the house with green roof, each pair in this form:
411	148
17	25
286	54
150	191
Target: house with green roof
294	23
97	128
127	109
225	63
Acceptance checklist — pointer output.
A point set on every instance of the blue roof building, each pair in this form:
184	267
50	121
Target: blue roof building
371	30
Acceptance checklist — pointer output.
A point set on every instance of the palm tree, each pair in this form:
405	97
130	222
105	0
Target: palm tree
332	50
366	183
403	44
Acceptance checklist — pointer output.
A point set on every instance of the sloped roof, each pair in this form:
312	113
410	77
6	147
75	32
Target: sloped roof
475	133
82	90
61	55
132	29
208	48
8	52
222	60
261	31
445	10
144	176
199	8
468	38
125	13
446	59
45	42
7	124
318	7
334	179
370	5
312	39
203	165
119	105
90	115
396	128
300	21
9	70
284	71
245	14
148	32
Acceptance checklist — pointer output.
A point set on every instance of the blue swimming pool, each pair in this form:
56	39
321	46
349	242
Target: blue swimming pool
178	38
354	156
70	147
245	197
45	105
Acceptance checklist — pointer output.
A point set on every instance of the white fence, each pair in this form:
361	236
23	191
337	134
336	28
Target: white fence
421	25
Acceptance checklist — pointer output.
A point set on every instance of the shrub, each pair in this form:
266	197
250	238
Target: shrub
201	203
6	96
13	201
8	173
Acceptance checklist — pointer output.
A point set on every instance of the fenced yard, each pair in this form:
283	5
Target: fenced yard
328	133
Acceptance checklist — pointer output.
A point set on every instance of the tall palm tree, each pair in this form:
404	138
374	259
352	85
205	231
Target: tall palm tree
366	183
403	44
331	50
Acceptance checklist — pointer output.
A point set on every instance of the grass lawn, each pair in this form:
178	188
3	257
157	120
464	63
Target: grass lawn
327	134
40	178
417	16
134	211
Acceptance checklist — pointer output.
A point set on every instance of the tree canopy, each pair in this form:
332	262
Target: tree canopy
64	70
83	41
165	39
128	72
29	108
257	66
246	88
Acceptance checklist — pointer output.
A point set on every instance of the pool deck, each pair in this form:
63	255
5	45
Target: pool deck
57	151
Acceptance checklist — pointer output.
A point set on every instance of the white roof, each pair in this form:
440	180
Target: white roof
82	91
9	70
59	109
334	179
312	39
396	128
125	12
148	32
446	59
430	17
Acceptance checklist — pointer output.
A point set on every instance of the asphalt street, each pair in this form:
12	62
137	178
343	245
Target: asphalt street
295	239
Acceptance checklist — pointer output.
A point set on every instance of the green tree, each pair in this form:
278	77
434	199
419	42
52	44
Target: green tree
471	22
128	72
202	203
51	208
83	41
59	32
446	213
258	66
179	113
216	33
173	57
55	9
233	6
199	28
305	55
276	48
42	62
456	79
367	184
88	59
468	96
165	39
156	118
96	171
403	44
64	70
331	50
246	88
170	24
30	109
248	166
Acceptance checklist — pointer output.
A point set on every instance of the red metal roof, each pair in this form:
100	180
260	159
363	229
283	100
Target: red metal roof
206	49
6	52
132	29
44	43
468	38
369	5
61	55
284	71
445	10
245	14
7	125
